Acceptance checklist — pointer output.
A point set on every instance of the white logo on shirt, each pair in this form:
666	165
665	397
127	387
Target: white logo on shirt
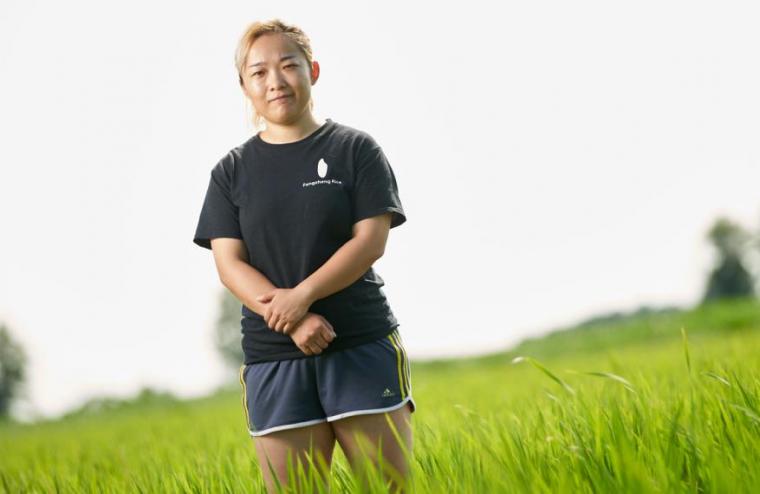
322	172
321	168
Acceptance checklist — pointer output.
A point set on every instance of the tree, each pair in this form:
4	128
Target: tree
754	258
729	277
227	333
12	369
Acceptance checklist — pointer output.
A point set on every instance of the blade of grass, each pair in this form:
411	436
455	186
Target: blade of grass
546	371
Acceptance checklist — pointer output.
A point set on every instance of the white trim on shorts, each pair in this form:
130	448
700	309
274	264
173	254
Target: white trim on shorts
333	417
286	426
373	410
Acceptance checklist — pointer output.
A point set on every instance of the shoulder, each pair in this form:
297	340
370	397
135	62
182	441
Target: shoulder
229	163
359	140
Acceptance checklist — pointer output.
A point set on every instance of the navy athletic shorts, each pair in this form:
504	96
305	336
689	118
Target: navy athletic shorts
284	394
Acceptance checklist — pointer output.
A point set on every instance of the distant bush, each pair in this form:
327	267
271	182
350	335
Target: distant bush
146	397
13	362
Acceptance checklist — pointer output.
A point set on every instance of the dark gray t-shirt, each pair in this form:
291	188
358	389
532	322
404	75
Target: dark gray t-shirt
294	205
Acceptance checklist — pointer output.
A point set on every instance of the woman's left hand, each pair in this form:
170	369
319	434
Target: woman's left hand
286	307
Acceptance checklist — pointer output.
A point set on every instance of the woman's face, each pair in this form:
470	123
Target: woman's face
277	79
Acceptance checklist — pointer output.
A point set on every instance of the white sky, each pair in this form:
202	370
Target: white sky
555	160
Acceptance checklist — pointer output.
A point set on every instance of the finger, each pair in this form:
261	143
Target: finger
273	318
329	326
293	328
315	348
320	341
332	333
326	336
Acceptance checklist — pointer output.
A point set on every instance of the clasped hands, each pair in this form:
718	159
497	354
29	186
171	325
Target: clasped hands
286	312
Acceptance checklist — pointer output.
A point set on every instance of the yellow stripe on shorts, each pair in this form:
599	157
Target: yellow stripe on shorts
406	368
398	364
245	398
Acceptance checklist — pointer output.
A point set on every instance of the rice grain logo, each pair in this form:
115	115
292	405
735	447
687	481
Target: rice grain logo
322	172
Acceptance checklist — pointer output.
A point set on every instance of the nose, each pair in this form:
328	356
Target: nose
275	81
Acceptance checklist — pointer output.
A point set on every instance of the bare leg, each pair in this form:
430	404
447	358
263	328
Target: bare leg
375	427
275	448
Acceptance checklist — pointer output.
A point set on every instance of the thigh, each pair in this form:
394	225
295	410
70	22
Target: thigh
378	429
363	437
310	446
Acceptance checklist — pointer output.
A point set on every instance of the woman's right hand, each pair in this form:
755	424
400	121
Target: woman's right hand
312	334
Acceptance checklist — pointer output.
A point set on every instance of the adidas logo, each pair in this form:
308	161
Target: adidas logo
387	393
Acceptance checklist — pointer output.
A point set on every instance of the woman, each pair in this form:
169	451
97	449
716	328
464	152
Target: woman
295	217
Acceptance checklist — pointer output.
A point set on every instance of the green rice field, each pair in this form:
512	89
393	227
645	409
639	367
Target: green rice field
664	402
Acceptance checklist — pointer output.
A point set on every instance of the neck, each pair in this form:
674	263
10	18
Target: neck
282	134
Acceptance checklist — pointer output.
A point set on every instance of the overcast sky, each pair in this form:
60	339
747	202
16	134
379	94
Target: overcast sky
555	160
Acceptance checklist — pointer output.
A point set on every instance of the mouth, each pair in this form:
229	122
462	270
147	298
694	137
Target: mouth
280	98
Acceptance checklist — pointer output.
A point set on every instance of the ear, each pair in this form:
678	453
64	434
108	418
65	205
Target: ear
314	71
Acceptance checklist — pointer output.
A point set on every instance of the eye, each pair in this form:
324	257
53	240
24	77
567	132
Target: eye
291	65
256	73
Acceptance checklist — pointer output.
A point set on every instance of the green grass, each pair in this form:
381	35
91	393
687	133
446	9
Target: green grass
631	406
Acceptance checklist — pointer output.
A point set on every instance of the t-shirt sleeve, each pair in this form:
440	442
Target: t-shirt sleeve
375	188
219	214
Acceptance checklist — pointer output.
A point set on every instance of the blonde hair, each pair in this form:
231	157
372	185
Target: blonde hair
251	34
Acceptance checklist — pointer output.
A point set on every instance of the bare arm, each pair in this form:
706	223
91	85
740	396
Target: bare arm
351	260
242	279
